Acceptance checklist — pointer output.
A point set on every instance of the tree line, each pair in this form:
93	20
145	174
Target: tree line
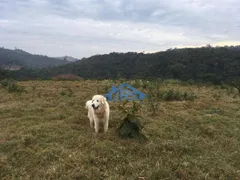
212	64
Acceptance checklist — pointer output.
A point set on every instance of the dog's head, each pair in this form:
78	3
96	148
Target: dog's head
98	101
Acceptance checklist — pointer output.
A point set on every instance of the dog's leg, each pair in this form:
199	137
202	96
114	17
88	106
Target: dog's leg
91	119
105	126
96	126
91	123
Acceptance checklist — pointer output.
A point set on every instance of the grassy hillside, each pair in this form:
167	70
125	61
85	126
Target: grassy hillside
193	131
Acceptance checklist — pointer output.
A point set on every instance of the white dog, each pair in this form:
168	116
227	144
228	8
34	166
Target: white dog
98	112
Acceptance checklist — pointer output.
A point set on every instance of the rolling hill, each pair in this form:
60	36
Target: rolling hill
19	58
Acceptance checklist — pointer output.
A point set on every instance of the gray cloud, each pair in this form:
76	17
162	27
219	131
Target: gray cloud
83	28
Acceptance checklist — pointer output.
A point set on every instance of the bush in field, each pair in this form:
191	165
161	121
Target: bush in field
12	86
172	95
6	82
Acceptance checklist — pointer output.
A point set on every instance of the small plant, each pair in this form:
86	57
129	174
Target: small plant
132	107
33	90
230	90
152	105
135	107
170	96
34	87
131	127
106	89
67	92
190	96
144	86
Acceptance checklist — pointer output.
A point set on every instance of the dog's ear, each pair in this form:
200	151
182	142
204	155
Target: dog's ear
103	100
87	104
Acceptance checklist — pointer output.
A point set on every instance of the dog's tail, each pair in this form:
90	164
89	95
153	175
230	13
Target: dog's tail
88	104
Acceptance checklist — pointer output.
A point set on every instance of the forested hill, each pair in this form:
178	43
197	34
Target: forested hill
205	63
18	57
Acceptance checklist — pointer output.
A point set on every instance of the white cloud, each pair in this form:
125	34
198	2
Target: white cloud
82	28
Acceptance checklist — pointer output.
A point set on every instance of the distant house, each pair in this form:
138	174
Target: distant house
12	68
124	91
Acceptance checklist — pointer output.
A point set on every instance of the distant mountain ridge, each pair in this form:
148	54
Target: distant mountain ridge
17	57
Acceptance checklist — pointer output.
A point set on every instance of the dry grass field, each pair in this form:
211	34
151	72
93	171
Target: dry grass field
45	133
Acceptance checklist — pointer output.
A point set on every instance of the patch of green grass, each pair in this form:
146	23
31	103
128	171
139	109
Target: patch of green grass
45	133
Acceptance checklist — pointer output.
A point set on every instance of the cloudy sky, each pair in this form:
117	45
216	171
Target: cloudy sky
82	28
